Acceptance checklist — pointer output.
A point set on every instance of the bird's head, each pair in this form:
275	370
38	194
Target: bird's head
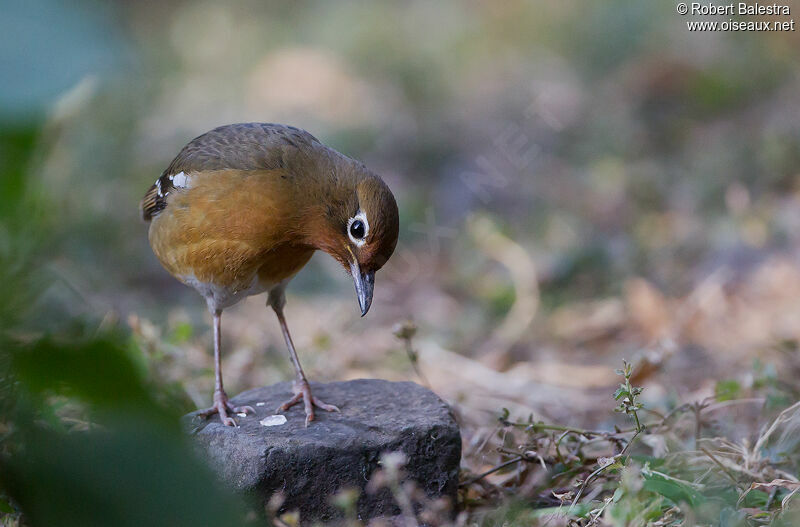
361	232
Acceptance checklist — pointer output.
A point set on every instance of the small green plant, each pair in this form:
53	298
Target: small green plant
405	332
628	395
675	469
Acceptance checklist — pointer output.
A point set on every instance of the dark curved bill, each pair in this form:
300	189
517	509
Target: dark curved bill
365	284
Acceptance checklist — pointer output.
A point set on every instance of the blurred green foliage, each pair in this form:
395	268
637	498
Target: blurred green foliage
84	438
121	460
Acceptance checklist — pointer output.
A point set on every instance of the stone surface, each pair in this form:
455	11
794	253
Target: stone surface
337	450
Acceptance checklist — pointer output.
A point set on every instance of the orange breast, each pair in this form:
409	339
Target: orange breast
226	228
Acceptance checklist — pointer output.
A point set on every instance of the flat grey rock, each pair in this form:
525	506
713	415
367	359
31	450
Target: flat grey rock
338	450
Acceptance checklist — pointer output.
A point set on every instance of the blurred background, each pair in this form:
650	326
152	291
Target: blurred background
578	183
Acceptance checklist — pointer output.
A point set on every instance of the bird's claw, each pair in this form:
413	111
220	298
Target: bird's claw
302	390
244	410
223	407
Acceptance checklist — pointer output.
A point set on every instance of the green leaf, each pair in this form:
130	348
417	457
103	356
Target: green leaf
617	495
580	510
651	461
727	389
98	371
133	472
181	333
622	391
673	490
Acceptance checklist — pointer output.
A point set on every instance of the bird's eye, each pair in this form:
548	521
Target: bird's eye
357	229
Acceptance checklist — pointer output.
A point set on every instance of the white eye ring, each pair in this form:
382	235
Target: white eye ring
363	218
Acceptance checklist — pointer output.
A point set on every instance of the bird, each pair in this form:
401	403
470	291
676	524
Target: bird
240	211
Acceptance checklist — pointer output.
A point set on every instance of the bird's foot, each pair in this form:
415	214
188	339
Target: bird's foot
223	407
303	391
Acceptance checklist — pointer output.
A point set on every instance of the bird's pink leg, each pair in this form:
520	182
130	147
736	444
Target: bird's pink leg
221	405
301	388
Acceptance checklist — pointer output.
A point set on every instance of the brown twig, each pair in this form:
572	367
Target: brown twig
405	331
721	466
601	469
492	470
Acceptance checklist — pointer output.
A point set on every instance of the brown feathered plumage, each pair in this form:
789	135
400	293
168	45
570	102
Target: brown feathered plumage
242	208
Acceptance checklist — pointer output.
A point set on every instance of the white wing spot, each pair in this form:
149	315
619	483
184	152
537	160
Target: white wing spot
180	180
158	187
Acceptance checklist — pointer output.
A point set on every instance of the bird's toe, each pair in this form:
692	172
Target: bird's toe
291	402
303	391
223	409
325	406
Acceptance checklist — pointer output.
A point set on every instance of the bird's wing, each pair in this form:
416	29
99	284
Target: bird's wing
245	146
